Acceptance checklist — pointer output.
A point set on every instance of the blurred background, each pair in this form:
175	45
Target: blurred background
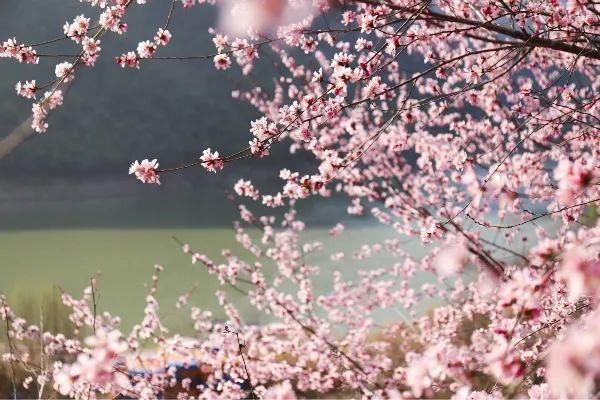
68	209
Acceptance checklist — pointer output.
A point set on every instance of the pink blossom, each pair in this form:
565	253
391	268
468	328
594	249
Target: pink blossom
10	48
110	19
337	230
258	148
146	49
91	46
211	161
417	376
282	391
220	41
526	88
245	188
40	110
96	369
129	59
27	89
473	74
242	17
451	260
222	61
574	177
263	129
145	171
78	29
574	364
64	71
540	392
162	37
24	54
580	269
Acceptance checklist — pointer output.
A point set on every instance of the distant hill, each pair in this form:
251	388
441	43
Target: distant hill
168	109
75	175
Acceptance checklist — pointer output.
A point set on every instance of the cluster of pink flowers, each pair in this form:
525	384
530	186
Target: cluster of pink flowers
111	19
510	324
96	368
222	61
22	53
483	153
145	171
573	365
26	89
80	32
78	29
580	267
145	49
211	160
574	177
40	110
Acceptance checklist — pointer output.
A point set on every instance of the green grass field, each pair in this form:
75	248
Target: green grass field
36	262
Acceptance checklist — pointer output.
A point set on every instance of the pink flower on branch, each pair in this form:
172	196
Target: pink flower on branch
145	171
574	177
27	89
222	61
162	37
211	161
456	150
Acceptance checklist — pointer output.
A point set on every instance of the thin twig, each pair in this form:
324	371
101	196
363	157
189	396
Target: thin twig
10	349
532	219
